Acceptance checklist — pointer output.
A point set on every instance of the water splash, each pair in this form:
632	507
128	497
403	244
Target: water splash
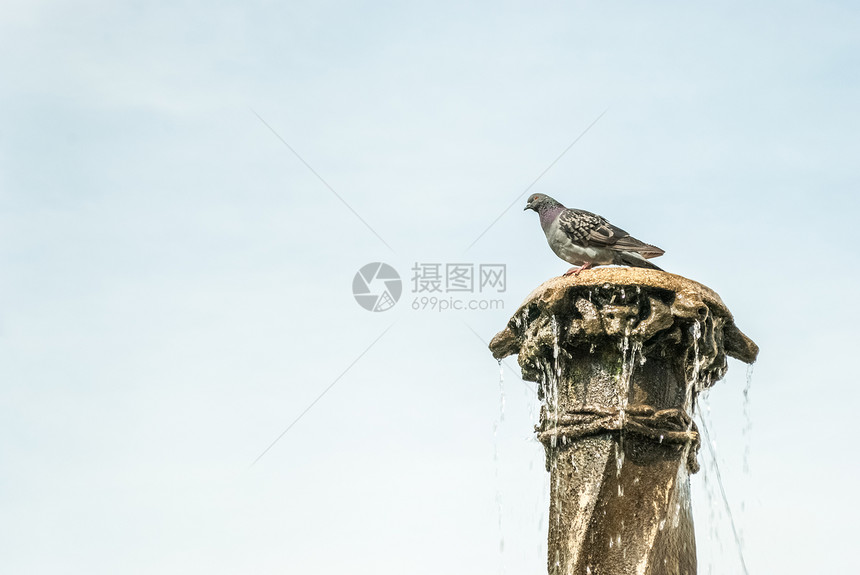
501	391
747	428
629	353
552	399
496	425
498	485
554	403
697	404
706	440
692	382
714	506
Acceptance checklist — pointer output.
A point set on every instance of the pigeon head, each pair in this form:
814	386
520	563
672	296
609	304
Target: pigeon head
541	203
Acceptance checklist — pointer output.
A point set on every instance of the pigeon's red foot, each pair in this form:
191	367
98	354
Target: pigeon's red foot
575	271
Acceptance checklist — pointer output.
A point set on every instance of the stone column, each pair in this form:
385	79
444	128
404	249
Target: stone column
620	355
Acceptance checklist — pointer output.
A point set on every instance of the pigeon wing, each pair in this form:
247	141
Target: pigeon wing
588	229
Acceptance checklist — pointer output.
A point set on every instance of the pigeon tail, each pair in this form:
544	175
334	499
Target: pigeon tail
634	260
631	244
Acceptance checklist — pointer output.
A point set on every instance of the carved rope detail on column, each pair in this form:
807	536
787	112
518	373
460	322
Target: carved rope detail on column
670	426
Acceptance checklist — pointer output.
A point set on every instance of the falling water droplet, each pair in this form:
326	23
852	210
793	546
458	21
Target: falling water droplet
501	391
619	456
747	428
693	381
496	425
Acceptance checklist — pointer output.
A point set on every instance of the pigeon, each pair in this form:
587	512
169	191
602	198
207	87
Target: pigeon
585	239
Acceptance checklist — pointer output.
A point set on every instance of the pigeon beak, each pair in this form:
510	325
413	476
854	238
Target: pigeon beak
528	207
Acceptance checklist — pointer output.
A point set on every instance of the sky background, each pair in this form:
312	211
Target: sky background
176	282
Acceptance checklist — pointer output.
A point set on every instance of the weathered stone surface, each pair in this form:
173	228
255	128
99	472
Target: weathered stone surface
689	300
620	355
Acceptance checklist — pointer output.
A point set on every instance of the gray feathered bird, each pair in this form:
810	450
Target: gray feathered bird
585	239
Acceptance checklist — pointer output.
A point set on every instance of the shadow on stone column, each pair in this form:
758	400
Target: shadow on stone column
620	356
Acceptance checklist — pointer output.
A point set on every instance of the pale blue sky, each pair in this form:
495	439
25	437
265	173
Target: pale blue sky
176	285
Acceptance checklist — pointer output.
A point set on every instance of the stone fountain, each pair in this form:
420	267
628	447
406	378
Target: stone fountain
620	356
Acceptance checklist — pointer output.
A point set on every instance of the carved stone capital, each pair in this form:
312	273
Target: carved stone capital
659	313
